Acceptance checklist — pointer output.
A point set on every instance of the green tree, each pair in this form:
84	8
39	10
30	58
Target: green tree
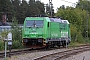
16	7
75	16
4	34
63	7
6	8
22	11
33	9
40	7
73	30
84	5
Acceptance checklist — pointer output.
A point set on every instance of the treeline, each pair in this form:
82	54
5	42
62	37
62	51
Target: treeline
79	19
21	9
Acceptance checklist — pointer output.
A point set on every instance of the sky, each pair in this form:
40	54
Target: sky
58	3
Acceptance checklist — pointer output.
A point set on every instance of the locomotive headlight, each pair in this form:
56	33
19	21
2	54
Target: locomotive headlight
39	40
25	40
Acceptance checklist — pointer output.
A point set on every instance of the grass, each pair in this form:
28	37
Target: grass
75	43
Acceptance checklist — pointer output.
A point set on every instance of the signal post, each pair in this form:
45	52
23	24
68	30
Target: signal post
9	40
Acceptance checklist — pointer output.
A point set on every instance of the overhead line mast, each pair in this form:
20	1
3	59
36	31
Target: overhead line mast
50	5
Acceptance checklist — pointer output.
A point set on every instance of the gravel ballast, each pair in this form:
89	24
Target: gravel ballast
81	56
31	56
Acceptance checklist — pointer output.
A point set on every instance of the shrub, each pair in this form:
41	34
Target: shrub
16	44
17	35
1	45
80	38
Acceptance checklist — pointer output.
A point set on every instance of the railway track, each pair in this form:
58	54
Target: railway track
21	51
64	54
18	52
14	52
28	50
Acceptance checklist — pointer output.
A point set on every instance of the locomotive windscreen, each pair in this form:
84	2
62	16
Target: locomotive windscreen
34	23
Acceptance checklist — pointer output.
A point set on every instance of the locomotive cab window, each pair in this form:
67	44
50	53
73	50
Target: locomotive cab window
34	23
48	24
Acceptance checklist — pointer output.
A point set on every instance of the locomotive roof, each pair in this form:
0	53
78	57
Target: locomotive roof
50	19
59	20
55	19
37	18
65	21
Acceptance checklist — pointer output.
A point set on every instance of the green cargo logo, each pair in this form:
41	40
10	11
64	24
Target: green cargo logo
54	34
33	33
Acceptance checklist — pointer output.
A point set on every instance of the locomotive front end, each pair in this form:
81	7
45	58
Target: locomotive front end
33	35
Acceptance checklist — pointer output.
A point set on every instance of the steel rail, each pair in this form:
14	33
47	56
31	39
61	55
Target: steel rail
63	54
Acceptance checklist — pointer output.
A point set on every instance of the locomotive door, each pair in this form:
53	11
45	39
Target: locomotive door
54	30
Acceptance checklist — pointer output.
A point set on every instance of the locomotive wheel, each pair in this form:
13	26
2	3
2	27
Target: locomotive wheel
63	44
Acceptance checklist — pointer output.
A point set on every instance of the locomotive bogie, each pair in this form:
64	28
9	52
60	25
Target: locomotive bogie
34	42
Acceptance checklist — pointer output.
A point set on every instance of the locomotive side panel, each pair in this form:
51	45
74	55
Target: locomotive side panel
58	33
54	31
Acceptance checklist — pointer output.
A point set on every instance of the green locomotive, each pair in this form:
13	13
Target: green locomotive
45	32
